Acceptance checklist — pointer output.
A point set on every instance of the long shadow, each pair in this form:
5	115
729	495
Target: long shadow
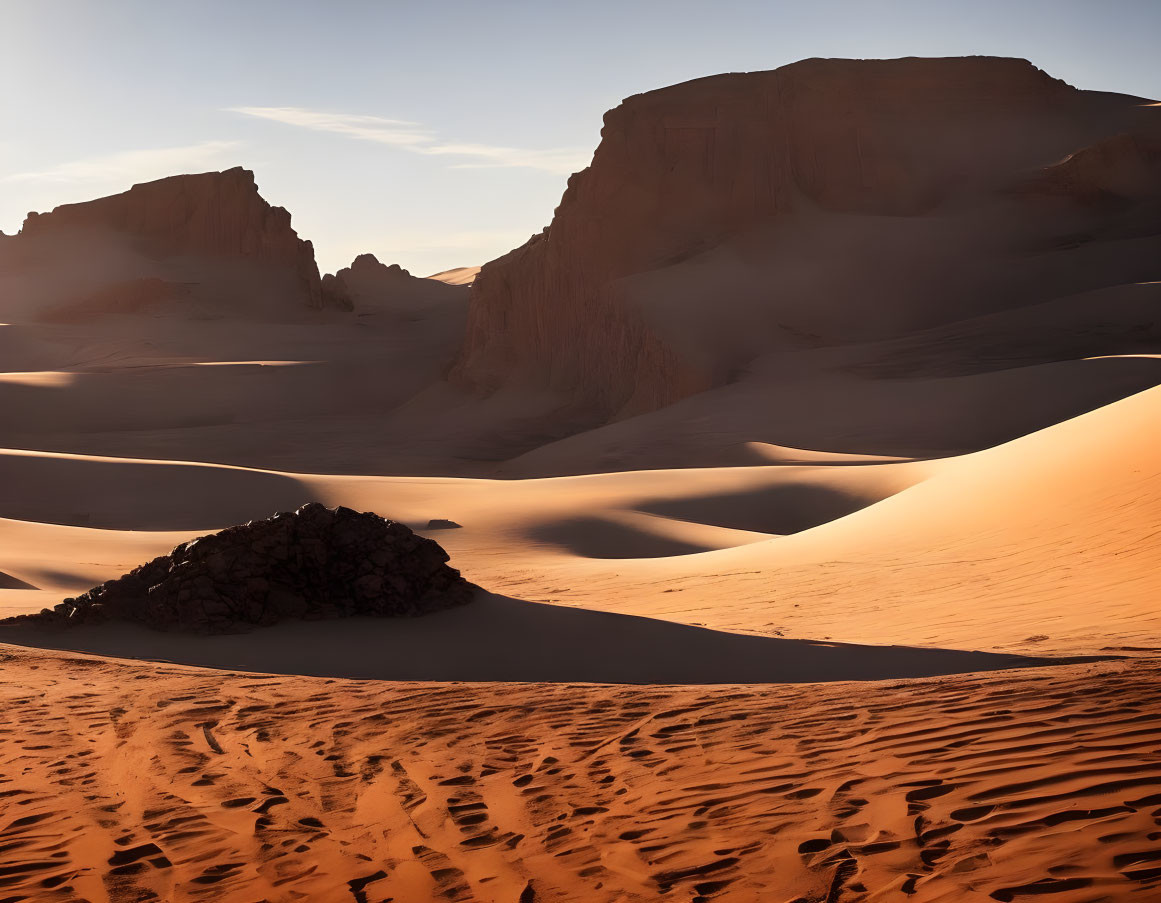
775	509
7	581
502	639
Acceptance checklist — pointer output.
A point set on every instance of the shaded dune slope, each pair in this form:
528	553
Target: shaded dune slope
499	639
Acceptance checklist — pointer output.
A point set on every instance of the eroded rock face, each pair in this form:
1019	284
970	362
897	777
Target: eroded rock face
683	170
313	563
215	215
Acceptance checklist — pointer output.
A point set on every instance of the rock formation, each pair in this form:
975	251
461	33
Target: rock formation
730	165
368	285
314	563
211	218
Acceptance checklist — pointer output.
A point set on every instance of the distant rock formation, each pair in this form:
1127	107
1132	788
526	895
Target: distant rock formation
368	285
726	166
315	563
213	217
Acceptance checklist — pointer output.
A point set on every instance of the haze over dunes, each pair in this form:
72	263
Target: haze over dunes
826	390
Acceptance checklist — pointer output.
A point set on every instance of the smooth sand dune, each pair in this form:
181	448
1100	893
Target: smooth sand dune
49	562
634	534
122	494
629	515
52	378
925	416
188	784
1046	543
365	393
769	453
1042	545
457	275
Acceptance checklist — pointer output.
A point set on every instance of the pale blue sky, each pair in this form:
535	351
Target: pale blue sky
438	134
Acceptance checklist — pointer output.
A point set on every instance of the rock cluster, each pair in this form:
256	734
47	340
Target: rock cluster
314	563
681	170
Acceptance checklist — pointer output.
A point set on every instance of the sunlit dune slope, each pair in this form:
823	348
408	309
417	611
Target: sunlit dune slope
1047	542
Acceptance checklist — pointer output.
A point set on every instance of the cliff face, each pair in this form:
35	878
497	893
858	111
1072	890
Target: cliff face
215	215
683	170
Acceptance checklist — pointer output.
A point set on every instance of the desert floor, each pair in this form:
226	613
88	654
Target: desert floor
915	657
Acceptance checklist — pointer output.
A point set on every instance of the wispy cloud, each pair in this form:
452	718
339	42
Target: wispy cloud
396	132
134	165
418	139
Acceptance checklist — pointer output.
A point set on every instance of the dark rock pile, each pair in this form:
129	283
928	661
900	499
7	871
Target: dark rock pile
315	563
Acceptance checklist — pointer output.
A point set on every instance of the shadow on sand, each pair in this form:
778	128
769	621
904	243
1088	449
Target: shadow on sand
502	639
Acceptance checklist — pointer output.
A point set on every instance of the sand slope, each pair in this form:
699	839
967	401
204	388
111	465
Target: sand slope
1046	543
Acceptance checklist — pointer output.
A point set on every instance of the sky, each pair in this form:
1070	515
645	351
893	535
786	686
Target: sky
441	133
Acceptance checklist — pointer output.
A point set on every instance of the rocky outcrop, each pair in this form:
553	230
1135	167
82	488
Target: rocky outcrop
314	563
215	215
684	169
368	285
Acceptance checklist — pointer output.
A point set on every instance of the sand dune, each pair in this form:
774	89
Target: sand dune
124	494
363	393
910	417
1040	545
457	275
136	509
1045	543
